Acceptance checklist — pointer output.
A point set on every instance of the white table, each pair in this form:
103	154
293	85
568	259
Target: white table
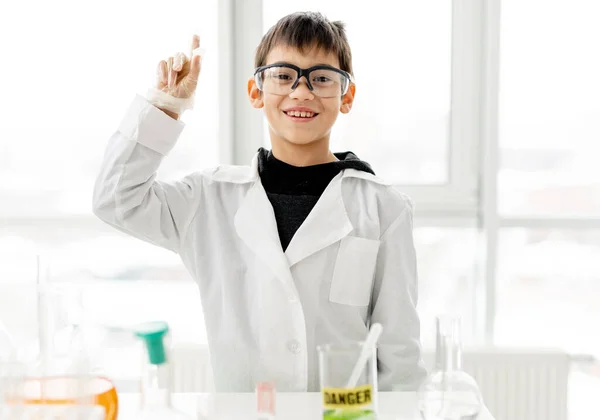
289	406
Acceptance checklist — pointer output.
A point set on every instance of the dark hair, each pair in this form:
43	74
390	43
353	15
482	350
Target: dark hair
305	30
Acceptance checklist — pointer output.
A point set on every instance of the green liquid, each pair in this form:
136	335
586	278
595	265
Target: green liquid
349	415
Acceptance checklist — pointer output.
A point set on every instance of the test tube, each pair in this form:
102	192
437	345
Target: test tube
265	399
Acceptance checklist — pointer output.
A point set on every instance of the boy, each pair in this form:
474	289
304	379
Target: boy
303	247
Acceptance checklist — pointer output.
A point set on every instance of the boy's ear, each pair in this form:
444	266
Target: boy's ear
254	94
348	99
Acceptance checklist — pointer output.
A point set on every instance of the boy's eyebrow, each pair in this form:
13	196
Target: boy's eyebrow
314	65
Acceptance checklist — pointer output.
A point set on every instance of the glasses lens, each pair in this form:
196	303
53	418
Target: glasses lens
328	83
278	80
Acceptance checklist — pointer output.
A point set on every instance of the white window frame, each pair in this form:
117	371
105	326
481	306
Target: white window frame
243	23
459	198
485	293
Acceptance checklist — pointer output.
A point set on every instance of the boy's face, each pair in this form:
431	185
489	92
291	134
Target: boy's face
300	131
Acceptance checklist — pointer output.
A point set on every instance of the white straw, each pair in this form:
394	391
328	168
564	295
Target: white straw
366	352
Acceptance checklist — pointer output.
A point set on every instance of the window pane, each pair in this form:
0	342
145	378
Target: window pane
446	264
399	122
548	289
549	125
84	62
122	281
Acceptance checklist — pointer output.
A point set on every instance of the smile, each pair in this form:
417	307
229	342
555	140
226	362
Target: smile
301	115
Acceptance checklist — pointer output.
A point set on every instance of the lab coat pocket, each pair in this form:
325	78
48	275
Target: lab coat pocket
354	271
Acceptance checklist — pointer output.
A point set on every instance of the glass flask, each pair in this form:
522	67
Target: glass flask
449	393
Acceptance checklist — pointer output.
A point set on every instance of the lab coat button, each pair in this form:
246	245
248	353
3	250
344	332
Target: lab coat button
294	346
293	299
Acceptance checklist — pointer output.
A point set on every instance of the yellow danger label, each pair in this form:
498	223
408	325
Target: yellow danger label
342	397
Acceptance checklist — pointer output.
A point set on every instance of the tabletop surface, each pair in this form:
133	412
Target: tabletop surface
288	406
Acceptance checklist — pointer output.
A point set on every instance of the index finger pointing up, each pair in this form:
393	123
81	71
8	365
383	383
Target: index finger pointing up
195	44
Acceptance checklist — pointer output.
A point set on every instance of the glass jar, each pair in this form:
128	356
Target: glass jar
341	400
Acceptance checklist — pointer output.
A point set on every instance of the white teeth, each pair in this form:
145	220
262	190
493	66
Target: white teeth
301	114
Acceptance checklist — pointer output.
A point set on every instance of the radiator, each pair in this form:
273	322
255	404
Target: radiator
519	384
192	371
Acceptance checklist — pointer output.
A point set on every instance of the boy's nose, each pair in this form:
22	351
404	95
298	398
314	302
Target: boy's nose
302	91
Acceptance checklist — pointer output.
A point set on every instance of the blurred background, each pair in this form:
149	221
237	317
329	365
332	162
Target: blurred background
486	112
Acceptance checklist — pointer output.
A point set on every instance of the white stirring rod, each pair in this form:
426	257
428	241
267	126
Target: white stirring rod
367	348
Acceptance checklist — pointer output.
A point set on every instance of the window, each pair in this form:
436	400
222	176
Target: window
548	182
122	280
548	282
549	126
446	266
76	77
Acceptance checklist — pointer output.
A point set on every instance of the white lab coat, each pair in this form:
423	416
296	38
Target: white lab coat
350	263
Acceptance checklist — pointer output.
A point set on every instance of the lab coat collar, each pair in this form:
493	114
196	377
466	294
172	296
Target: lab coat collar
327	223
255	223
246	174
355	173
236	174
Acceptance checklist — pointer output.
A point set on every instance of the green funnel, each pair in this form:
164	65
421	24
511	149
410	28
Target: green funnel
152	333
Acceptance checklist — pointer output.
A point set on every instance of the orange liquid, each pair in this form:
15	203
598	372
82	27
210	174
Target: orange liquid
56	390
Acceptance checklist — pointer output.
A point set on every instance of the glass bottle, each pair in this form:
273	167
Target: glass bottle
449	393
157	375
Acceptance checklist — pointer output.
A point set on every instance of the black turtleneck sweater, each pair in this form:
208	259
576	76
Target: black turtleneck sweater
293	191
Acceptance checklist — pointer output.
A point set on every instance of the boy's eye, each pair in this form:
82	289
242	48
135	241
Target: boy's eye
280	75
322	79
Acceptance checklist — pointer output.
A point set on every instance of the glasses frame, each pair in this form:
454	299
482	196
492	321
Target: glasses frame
304	73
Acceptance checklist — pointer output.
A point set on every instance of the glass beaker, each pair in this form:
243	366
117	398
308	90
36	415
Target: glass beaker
449	393
342	400
12	376
62	373
71	390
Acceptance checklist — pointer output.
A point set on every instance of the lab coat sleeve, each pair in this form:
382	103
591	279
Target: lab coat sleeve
126	193
393	305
